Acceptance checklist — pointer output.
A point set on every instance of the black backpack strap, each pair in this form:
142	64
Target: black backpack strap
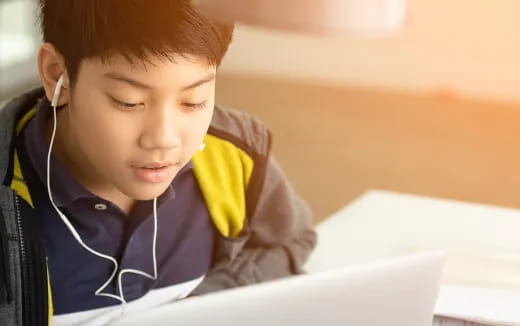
11	304
6	295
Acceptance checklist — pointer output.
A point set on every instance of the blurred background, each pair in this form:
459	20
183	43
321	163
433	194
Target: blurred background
433	110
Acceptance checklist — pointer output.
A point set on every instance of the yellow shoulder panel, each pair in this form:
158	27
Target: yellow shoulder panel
223	172
18	184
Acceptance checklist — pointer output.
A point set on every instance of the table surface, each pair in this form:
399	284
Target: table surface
482	276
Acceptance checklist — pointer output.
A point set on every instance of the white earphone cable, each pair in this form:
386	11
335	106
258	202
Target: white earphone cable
71	228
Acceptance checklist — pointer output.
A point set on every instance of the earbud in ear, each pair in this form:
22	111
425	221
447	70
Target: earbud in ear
57	92
202	146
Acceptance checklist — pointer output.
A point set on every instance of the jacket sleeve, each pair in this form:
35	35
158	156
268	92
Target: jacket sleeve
279	238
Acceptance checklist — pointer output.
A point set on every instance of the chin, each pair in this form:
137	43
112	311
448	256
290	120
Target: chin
147	192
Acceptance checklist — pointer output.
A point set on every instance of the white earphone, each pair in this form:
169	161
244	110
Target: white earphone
57	91
120	297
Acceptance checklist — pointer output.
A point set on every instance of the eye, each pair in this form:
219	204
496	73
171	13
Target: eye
195	106
125	105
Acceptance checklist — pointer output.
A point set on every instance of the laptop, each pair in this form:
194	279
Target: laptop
399	291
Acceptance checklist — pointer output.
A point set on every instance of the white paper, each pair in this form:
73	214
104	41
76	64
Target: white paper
482	305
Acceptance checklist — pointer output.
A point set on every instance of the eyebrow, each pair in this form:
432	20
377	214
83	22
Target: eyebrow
202	81
138	84
122	78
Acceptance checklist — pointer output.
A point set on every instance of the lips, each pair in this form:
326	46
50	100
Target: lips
155	165
154	172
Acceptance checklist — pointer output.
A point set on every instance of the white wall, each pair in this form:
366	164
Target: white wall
19	39
471	47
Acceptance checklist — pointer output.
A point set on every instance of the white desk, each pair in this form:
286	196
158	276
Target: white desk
482	277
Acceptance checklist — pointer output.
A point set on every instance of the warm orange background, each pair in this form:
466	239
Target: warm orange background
337	142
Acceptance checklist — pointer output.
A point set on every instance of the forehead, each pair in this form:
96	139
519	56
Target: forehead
156	70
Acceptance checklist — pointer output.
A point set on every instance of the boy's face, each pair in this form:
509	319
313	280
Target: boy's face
124	122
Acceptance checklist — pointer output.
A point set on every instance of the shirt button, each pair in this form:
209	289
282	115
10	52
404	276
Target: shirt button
100	207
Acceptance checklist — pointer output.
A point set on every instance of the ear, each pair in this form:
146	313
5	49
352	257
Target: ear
51	66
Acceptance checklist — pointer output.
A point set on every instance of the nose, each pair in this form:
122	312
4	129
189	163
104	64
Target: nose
161	130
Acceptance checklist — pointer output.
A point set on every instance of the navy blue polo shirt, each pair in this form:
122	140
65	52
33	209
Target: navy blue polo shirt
185	236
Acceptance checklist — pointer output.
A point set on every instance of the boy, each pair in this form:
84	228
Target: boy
152	193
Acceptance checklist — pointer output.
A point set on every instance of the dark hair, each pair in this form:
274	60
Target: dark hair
136	29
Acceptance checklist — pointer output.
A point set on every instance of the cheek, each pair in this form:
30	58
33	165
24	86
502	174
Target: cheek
101	135
194	134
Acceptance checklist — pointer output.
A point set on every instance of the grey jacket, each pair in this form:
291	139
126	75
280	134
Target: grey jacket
275	241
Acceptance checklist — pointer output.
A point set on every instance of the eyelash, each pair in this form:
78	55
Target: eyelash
126	106
195	106
131	106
